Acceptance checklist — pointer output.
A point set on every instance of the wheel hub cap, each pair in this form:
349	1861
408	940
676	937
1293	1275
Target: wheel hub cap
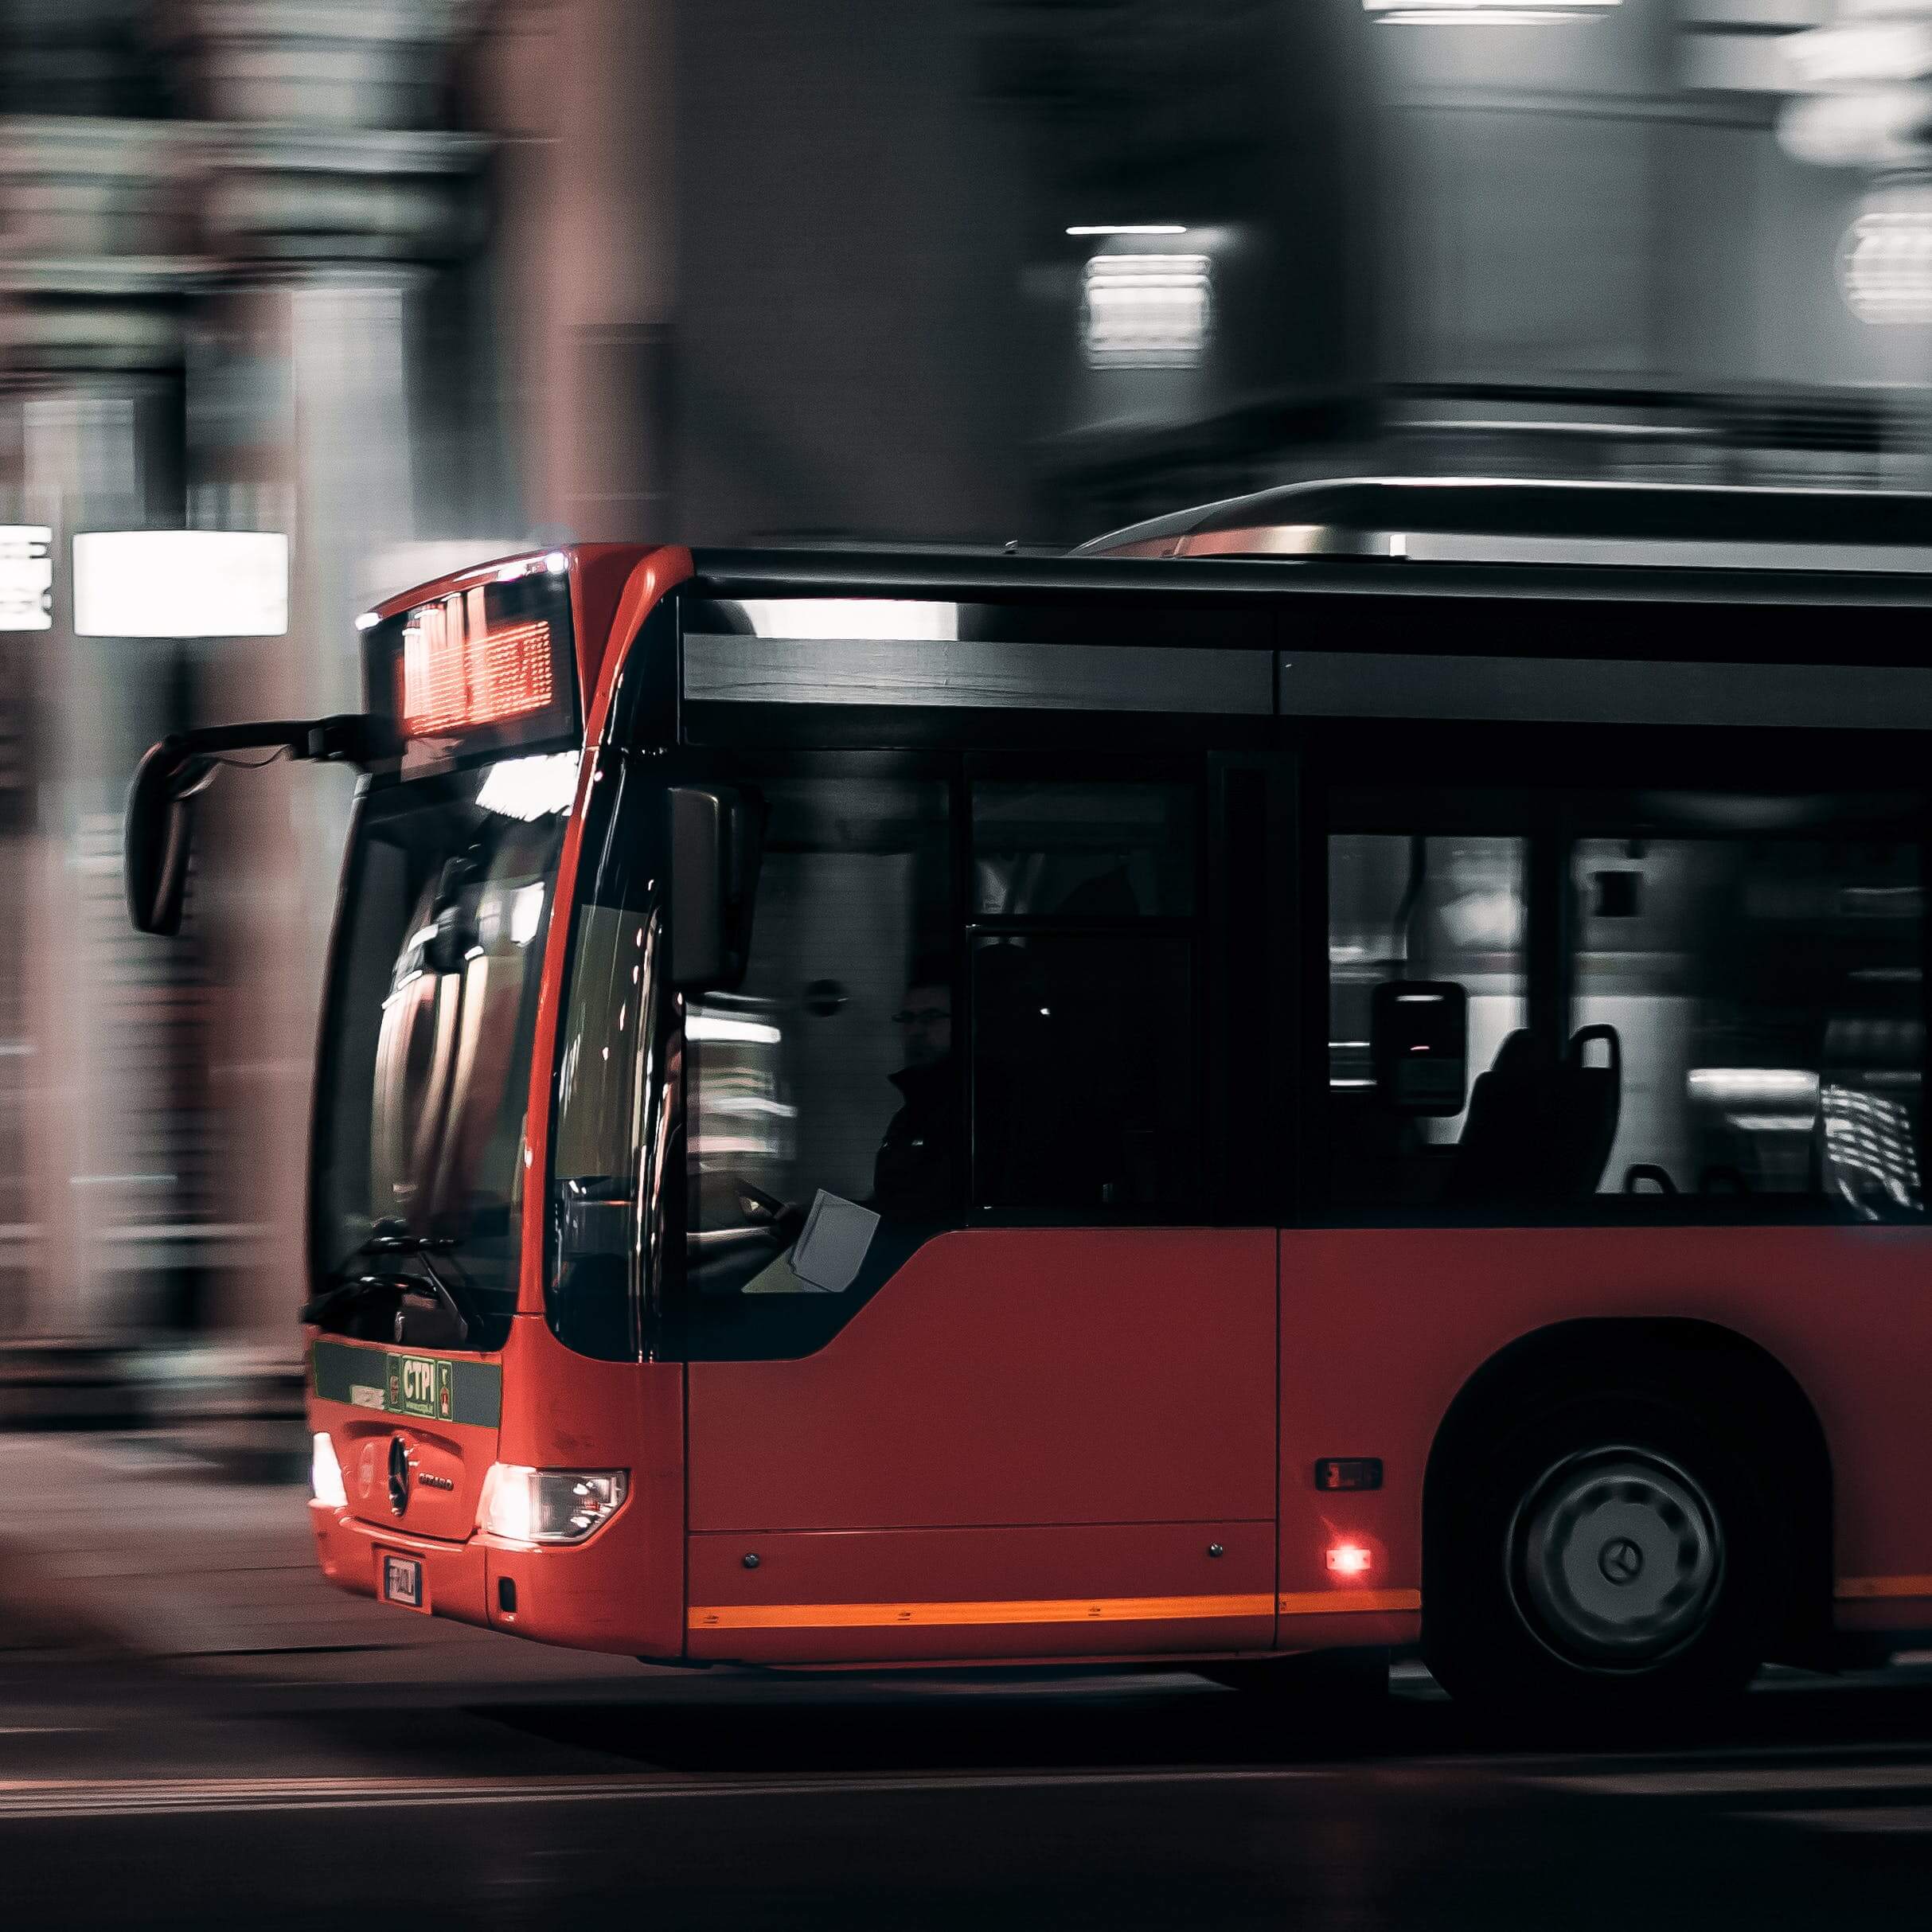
1615	1558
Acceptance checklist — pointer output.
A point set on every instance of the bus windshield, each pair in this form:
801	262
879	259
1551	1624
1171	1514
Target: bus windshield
426	1054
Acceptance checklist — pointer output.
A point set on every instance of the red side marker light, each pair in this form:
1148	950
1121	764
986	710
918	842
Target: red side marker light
1348	1472
1348	1559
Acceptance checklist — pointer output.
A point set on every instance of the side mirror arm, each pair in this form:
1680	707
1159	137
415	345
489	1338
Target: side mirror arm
159	826
349	738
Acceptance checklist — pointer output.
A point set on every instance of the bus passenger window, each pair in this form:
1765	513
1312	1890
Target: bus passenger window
830	1070
1084	1073
1766	995
1074	851
1445	907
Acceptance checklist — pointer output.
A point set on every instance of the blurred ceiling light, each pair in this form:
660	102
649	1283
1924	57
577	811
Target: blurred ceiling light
1128	228
181	583
26	577
1484	13
368	620
1146	310
1857	53
1879	127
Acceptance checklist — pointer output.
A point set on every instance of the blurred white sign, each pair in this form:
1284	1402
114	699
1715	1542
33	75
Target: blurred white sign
1143	310
26	577
181	583
1885	266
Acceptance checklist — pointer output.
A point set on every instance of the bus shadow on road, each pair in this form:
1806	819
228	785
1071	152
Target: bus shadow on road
774	1724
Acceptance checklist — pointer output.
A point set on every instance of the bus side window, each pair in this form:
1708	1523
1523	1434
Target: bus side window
1441	908
830	1068
1085	986
1083	1072
1766	994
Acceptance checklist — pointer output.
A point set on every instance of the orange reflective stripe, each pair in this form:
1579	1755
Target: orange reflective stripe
1030	1609
1855	1587
1325	1603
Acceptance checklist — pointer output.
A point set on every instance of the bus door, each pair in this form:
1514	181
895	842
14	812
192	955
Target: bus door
969	1376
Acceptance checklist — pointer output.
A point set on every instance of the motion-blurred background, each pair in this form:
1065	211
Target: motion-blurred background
417	281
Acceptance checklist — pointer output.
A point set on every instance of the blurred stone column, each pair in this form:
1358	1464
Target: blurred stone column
92	273
331	197
584	92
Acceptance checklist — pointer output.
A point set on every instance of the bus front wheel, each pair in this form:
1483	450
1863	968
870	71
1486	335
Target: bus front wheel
1609	1557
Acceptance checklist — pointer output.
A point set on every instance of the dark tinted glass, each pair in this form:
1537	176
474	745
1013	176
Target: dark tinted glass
1084	1073
426	1064
1065	851
1766	994
830	1070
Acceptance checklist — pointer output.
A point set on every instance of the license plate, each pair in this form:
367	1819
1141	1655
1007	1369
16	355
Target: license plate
402	1581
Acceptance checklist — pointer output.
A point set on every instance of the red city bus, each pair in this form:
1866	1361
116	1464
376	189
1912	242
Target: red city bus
880	1109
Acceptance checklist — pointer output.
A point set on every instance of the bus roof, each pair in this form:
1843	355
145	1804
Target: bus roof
970	574
1505	521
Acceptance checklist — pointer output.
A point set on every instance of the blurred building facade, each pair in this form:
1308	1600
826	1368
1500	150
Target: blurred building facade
414	280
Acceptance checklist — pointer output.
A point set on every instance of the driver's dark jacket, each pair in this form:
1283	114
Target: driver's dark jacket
916	1177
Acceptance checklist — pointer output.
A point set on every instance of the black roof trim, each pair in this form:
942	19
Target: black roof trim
1484	505
965	576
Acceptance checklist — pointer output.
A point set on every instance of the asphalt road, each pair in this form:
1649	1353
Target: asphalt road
722	1801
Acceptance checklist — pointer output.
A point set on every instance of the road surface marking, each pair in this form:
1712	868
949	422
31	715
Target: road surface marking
58	1798
1746	1782
1898	1821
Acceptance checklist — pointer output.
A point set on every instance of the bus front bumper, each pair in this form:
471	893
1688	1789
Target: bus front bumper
455	1576
584	1596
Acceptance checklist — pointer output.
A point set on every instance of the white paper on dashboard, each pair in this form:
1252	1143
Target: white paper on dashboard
828	1255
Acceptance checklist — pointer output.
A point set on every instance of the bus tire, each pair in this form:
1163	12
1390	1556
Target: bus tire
1605	1557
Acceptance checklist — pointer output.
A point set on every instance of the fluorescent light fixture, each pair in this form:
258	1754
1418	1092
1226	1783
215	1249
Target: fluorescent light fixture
1484	13
902	619
699	1025
26	577
1786	1087
1128	228
181	583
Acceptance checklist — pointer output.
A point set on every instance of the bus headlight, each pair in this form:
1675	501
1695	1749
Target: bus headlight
325	1474
526	1505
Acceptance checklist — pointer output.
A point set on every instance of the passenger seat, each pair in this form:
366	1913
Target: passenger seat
1537	1134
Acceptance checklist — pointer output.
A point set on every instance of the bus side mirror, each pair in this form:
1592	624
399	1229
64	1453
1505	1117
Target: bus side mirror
1419	1043
716	843
158	834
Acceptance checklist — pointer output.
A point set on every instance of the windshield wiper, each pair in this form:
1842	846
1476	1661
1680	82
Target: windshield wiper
393	1237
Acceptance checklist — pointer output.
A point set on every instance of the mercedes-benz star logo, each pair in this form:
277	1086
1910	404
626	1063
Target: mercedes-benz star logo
399	1475
1620	1560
